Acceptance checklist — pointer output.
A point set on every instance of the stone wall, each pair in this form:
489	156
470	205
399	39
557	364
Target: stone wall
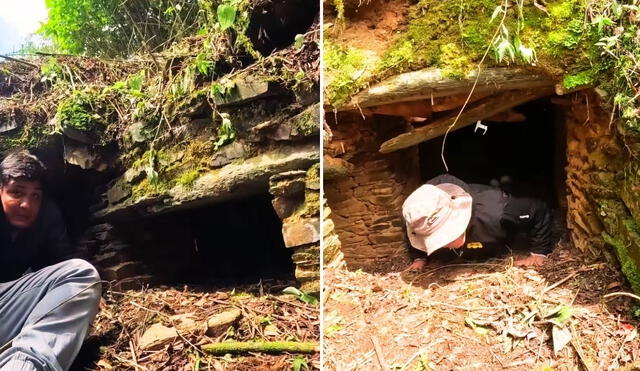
296	196
297	202
603	183
366	203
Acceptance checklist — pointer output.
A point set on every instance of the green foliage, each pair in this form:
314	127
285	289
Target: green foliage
226	132
117	28
299	41
188	178
94	27
579	79
562	313
203	65
81	111
615	24
629	268
453	36
346	67
51	71
222	87
226	15
299	363
309	299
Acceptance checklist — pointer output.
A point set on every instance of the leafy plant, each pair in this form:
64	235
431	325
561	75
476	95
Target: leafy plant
150	168
299	363
51	71
299	41
115	28
203	65
226	132
506	48
226	15
309	299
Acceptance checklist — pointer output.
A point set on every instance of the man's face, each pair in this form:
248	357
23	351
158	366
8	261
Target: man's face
21	201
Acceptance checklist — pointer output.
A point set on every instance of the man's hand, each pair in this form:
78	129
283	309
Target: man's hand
531	260
417	265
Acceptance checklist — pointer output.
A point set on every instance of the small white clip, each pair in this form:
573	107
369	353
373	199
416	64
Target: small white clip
479	125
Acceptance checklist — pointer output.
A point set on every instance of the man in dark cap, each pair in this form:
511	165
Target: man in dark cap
47	301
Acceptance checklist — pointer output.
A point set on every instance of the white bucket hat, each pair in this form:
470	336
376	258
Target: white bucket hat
436	215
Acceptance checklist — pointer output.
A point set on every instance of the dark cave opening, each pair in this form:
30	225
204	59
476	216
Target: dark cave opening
525	158
274	24
232	242
76	191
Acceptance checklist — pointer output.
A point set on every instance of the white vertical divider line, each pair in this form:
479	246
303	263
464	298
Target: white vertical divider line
321	173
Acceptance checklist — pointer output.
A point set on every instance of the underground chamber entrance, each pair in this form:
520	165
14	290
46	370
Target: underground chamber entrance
524	154
233	242
526	157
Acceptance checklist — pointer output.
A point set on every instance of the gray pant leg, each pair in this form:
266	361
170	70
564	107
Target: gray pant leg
43	317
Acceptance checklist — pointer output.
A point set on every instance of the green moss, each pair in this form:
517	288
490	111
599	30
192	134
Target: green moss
311	205
307	122
345	66
81	111
629	268
146	189
578	79
32	135
445	34
312	179
188	178
455	35
456	64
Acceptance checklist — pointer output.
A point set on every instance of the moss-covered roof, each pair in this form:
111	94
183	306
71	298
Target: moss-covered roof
573	41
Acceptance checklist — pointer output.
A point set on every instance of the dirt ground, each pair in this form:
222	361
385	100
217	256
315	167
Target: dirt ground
463	315
372	26
267	315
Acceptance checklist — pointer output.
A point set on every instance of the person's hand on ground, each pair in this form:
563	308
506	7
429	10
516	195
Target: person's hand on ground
531	260
417	265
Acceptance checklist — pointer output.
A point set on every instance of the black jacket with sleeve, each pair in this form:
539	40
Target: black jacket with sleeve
497	219
24	250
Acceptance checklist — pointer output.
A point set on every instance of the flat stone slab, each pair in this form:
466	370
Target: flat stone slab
157	336
241	178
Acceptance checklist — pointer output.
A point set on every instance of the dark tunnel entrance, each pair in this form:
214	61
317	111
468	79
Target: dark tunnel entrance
233	242
526	158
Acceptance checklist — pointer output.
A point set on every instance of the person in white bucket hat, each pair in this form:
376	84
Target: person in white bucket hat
449	213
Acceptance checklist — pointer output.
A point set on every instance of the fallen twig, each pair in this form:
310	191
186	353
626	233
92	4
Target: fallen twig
18	61
261	347
376	347
607	296
547	289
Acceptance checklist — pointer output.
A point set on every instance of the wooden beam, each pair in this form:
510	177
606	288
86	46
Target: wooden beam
417	108
456	101
507	116
479	111
561	90
430	83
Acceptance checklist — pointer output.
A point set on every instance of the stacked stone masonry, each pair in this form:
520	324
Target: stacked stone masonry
603	183
366	203
296	200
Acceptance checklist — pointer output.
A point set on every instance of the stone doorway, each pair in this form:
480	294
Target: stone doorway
524	155
233	242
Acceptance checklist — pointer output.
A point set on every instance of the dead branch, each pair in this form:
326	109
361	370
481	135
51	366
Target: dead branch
261	347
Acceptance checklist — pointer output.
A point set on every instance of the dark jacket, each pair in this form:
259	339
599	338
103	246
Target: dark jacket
499	220
33	248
